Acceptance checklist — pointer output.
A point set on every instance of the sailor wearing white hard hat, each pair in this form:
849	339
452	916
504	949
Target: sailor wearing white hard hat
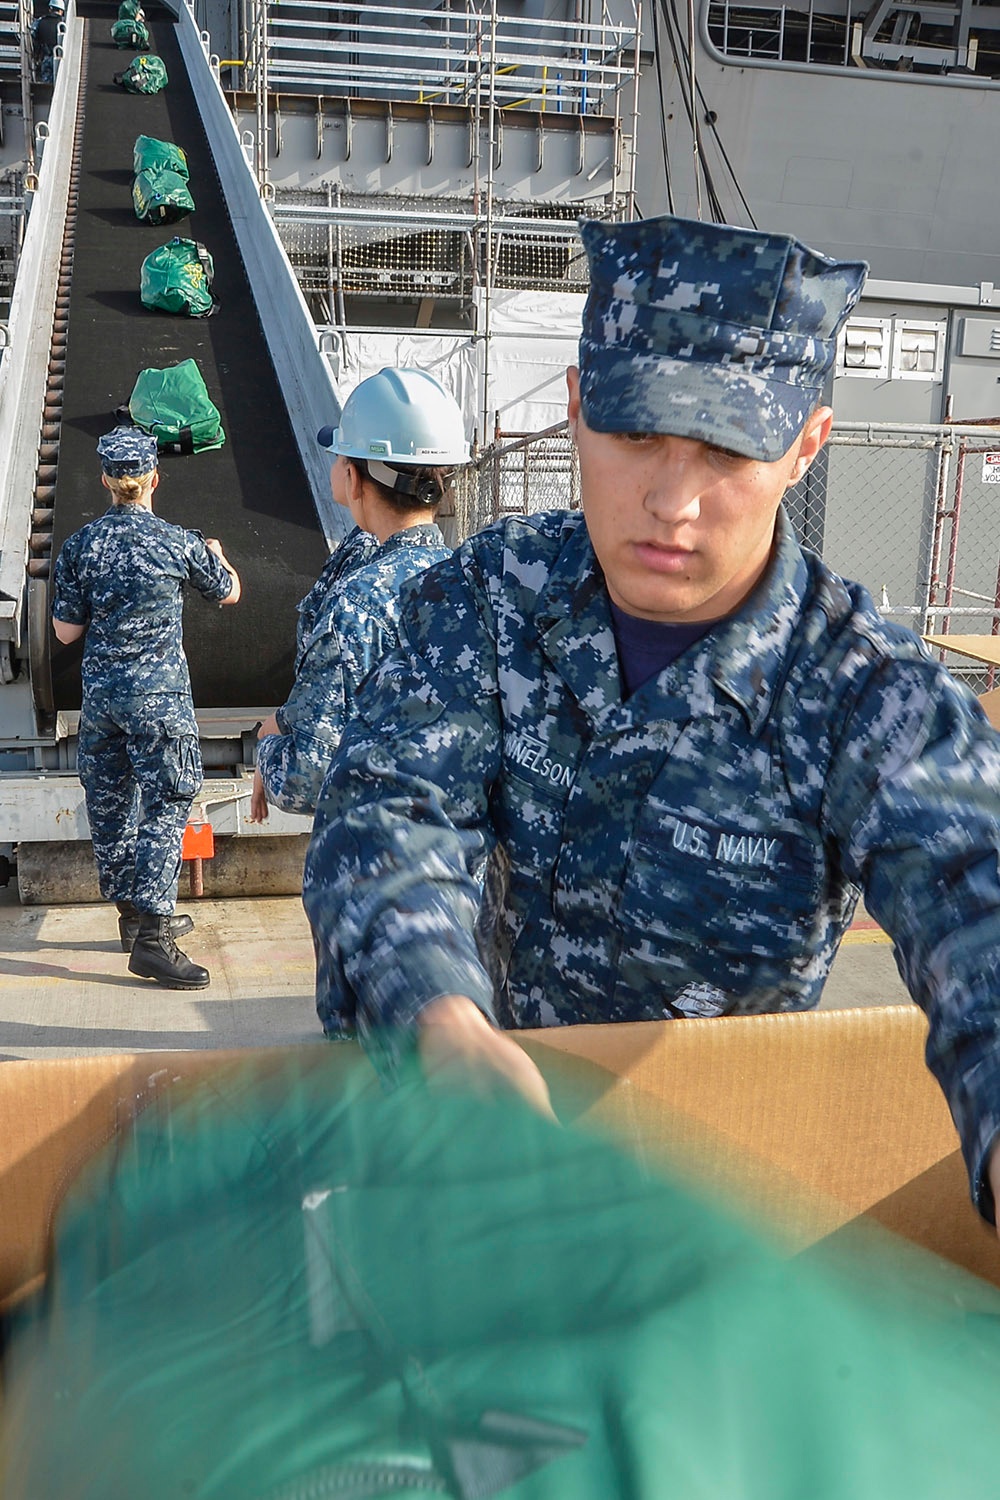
400	438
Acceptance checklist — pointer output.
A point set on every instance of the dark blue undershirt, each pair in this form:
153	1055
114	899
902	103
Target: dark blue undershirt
645	647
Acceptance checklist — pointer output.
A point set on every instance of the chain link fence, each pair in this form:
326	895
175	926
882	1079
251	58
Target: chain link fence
913	513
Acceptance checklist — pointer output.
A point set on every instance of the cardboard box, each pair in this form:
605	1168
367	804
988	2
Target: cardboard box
814	1121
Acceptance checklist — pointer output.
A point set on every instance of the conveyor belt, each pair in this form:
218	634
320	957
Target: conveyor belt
252	494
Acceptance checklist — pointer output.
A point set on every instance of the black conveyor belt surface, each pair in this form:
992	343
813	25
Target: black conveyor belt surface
252	493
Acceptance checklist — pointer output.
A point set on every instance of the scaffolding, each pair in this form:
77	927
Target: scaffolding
410	78
453	54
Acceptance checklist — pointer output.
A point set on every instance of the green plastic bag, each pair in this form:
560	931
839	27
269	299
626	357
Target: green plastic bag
130	33
292	1284
177	278
174	405
160	196
131	10
145	74
148	152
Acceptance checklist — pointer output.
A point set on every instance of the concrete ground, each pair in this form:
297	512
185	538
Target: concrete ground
65	986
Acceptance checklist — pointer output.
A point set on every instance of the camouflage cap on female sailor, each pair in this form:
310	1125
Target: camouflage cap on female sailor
127	450
706	331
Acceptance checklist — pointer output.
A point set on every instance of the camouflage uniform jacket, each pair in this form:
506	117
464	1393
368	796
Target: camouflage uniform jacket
123	576
347	622
695	850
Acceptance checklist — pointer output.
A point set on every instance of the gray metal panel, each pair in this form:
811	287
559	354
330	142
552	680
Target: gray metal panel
980	336
973	373
889	167
314	142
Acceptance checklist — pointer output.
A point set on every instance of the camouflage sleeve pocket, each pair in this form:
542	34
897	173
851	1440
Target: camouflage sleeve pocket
396	699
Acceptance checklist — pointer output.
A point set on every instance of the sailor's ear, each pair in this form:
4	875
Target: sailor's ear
812	438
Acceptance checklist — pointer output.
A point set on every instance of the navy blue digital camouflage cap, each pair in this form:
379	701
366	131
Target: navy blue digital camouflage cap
707	331
127	450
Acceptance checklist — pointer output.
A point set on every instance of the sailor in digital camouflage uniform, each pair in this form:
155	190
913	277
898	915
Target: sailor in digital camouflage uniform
119	582
347	621
45	39
682	744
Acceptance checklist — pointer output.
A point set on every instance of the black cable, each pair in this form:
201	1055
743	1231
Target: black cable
681	63
710	118
682	52
657	60
680	58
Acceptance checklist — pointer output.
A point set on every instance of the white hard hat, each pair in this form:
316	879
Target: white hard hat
400	417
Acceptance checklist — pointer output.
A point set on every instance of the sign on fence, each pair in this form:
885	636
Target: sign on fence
991	468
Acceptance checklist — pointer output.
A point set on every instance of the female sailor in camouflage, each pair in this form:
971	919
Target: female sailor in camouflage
399	438
682	744
119	582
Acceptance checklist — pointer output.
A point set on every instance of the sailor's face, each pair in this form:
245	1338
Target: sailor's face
682	530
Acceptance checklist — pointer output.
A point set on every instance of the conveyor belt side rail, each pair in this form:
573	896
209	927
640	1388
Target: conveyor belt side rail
25	360
302	370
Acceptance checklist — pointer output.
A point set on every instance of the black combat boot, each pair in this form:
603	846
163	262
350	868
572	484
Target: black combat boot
156	956
128	925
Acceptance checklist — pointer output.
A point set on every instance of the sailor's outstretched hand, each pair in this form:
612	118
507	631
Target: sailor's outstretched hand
457	1041
258	800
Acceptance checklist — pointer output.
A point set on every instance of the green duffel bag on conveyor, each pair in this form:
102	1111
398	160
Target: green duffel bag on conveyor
160	196
175	407
130	33
148	152
177	278
145	74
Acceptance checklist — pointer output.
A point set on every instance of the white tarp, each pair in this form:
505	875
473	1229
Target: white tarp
533	337
450	358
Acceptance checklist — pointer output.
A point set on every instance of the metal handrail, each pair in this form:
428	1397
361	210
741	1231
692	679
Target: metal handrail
540	23
394	55
323	213
506	62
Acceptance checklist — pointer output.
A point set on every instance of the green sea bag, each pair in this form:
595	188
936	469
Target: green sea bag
145	74
148	152
174	405
160	196
292	1284
130	33
177	278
